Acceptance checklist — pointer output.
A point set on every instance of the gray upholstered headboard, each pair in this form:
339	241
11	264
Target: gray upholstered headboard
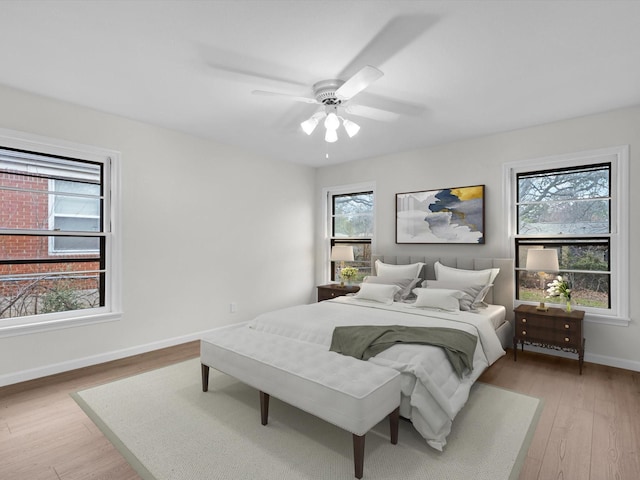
502	292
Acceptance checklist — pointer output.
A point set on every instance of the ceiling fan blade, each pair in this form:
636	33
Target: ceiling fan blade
372	113
248	76
294	98
361	80
393	38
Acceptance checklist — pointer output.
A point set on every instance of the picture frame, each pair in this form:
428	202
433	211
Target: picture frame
446	215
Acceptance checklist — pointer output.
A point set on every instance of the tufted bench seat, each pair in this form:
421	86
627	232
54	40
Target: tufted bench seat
349	393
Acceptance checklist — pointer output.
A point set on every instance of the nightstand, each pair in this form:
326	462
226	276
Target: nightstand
554	328
333	290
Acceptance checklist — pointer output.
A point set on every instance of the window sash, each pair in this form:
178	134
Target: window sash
363	215
578	265
557	208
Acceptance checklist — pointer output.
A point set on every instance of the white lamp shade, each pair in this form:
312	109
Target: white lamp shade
542	260
341	253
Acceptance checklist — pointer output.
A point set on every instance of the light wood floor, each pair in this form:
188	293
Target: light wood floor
589	428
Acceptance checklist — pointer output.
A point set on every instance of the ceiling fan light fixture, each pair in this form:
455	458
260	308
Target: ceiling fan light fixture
332	122
331	135
352	128
309	125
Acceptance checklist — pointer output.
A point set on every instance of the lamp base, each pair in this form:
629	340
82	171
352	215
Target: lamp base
542	307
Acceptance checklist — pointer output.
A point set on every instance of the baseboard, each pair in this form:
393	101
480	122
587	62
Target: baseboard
612	361
31	374
25	375
591	357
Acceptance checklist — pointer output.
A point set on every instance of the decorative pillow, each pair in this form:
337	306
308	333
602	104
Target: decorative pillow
473	294
398	271
377	292
438	298
465	277
405	284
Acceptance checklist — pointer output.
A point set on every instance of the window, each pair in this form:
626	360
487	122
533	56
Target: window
577	205
351	222
58	254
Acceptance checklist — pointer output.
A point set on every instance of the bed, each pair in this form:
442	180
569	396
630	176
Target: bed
433	392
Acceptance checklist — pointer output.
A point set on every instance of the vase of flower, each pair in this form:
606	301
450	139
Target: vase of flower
348	274
560	288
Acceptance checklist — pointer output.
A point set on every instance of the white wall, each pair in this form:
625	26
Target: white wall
479	161
203	225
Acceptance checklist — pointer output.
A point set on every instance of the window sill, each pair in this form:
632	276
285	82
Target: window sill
27	328
607	319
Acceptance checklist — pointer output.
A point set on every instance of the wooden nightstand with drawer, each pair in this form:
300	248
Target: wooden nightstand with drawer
554	328
333	290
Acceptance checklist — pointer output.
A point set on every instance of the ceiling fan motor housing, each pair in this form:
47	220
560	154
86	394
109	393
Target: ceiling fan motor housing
325	91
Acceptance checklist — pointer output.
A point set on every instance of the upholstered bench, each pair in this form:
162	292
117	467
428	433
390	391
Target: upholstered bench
352	394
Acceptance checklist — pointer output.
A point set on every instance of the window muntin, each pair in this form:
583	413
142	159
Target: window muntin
53	247
352	218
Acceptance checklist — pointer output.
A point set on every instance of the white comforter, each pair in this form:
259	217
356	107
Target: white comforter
432	393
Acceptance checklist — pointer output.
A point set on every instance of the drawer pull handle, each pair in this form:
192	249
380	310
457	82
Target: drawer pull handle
524	320
524	332
566	325
566	339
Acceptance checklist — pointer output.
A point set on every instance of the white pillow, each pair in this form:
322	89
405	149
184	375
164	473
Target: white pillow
398	271
405	284
439	298
465	277
473	294
377	292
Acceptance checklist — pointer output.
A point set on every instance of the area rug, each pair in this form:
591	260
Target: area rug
168	429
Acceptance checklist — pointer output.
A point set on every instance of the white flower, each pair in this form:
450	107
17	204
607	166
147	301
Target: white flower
559	288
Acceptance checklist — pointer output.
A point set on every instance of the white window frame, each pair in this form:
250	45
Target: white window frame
619	238
327	195
112	310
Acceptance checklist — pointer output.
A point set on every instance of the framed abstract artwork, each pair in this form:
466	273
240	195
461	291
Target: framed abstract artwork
448	215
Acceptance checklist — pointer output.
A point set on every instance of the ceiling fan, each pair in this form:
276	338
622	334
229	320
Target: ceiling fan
334	94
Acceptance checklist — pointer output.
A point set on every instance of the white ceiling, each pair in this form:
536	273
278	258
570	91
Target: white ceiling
453	69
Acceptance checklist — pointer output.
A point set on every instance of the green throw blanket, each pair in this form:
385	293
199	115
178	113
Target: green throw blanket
366	341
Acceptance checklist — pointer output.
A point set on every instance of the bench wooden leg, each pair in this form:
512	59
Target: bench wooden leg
205	377
358	454
394	420
264	407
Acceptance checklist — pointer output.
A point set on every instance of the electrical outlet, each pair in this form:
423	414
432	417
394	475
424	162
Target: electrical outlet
233	307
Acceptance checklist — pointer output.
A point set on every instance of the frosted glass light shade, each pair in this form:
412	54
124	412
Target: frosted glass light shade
309	125
351	127
332	122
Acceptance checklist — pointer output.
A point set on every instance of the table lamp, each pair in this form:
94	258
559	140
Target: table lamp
341	253
542	261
